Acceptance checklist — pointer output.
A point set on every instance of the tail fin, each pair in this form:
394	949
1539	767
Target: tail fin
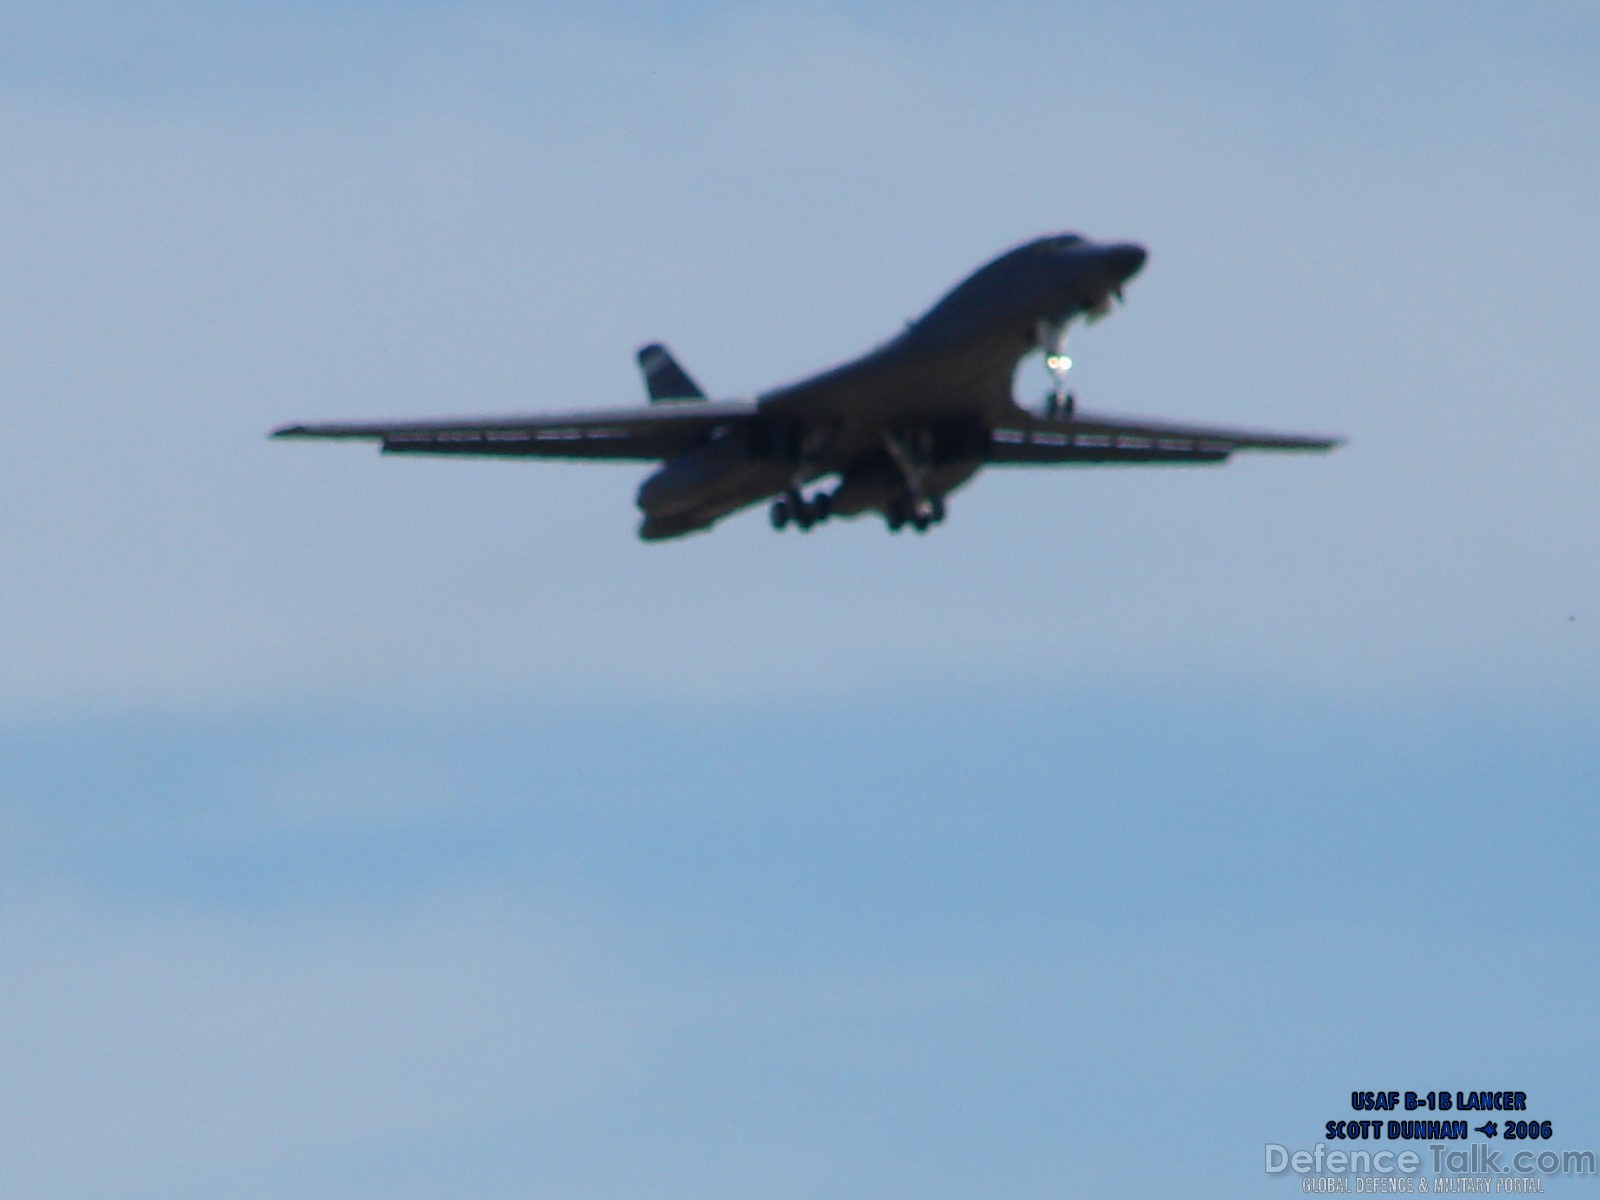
664	378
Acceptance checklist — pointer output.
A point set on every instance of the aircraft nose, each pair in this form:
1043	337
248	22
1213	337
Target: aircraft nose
1125	259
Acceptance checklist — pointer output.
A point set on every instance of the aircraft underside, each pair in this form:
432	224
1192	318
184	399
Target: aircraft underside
904	475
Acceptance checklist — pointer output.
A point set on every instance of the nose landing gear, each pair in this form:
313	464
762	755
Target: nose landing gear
1052	339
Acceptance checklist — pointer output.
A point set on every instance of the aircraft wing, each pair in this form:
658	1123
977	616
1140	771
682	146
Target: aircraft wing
1026	437
659	431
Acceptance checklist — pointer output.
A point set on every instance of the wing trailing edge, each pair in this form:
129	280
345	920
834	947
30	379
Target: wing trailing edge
643	433
1028	438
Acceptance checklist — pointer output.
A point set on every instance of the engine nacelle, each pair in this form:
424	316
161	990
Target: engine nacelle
714	478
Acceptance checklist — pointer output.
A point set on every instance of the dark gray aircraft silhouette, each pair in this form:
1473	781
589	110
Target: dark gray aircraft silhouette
900	428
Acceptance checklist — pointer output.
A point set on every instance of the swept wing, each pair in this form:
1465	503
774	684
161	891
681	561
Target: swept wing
643	434
1023	437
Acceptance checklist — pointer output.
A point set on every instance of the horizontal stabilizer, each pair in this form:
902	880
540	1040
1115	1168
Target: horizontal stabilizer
664	378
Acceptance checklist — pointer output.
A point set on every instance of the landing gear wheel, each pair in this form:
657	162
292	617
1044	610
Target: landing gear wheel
780	514
936	510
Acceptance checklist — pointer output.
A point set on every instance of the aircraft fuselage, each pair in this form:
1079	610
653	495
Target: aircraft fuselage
936	390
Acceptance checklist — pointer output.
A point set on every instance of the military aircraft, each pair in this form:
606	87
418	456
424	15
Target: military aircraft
898	429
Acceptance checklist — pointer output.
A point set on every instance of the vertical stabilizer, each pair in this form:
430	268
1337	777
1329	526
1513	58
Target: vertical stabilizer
664	378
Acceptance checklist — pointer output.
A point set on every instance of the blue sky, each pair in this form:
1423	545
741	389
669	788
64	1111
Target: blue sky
406	828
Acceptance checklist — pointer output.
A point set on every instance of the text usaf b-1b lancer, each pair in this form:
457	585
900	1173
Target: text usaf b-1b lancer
899	428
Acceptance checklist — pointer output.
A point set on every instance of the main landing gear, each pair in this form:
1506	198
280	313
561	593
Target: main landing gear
919	513
913	506
803	512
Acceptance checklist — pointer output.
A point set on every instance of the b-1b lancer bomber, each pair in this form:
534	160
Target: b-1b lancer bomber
893	432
